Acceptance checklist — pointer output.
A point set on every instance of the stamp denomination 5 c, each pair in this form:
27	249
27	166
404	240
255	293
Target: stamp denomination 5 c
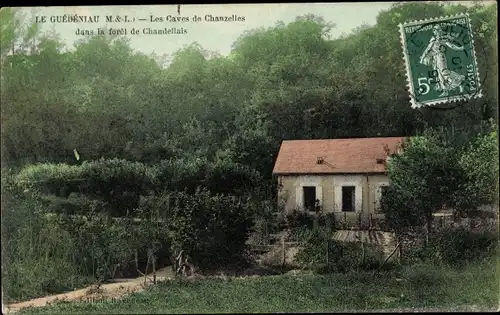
440	60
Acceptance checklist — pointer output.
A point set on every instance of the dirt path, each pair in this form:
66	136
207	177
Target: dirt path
114	290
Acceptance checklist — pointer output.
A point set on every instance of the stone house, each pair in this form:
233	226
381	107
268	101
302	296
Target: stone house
343	176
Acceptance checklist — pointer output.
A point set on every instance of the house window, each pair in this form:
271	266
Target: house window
348	198
309	198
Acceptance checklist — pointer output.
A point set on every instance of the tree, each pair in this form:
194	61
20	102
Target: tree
289	81
479	163
422	180
443	168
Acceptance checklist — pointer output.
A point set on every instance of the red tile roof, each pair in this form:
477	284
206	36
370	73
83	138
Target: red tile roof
355	155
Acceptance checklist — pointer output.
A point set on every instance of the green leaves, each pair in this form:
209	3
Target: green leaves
480	165
289	81
212	229
438	170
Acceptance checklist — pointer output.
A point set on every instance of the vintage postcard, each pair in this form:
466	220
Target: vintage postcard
249	158
440	60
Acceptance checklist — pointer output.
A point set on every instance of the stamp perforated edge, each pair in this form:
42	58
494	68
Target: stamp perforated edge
409	79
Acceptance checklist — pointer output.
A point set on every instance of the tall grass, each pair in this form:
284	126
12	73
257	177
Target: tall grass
38	257
419	286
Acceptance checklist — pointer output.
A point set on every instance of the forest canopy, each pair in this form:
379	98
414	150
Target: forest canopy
107	100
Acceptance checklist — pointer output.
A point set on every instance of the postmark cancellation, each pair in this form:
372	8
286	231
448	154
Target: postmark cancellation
441	65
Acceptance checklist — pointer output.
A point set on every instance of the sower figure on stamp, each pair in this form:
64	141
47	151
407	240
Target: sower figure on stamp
435	56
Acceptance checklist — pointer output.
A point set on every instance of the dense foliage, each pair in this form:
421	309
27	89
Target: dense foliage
212	229
107	101
440	170
461	246
323	254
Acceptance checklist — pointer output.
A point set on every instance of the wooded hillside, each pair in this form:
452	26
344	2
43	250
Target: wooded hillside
285	82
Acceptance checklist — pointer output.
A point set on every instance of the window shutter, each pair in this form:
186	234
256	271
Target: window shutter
338	198
358	198
319	194
378	196
299	197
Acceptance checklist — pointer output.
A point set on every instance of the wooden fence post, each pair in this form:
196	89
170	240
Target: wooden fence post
327	250
284	252
362	250
388	257
146	271
154	269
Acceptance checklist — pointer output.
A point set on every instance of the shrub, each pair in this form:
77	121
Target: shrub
459	246
299	234
266	220
51	253
314	250
298	218
38	255
323	254
222	176
74	204
261	232
212	229
326	220
104	243
181	174
227	177
85	239
117	182
302	229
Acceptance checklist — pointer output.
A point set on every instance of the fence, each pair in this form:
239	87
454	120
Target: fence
475	224
360	221
376	221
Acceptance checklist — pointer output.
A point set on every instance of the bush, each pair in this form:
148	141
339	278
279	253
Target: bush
181	174
326	220
303	228
261	232
117	182
211	229
47	253
85	239
298	218
38	255
265	221
299	234
227	177
323	254
104	243
456	247
222	176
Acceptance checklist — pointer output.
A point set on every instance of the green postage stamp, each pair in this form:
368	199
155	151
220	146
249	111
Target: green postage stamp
440	60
